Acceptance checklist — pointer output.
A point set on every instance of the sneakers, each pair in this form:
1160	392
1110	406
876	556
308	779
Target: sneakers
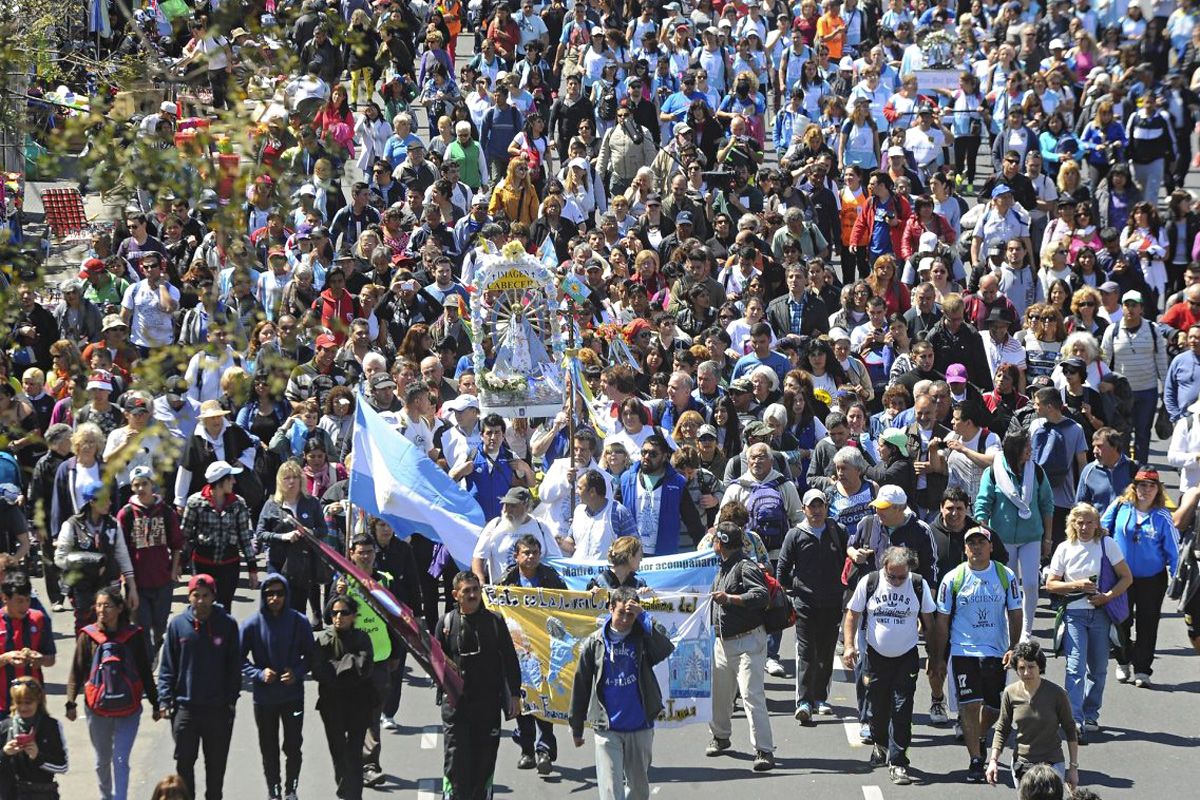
958	734
764	761
59	606
803	712
899	775
372	776
291	795
1090	725
864	734
1124	672
716	747
388	723
775	669
526	761
937	712
878	756
543	762
824	709
976	772
1141	680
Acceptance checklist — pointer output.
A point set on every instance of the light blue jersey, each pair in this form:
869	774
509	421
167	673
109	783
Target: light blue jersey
979	626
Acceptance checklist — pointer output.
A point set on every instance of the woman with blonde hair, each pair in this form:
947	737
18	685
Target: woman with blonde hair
278	533
1042	339
515	196
29	765
1085	312
859	143
687	429
884	281
624	558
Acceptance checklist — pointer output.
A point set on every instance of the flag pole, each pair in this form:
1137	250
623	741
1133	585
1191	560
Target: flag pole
572	388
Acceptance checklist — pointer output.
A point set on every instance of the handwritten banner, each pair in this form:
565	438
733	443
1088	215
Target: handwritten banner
549	626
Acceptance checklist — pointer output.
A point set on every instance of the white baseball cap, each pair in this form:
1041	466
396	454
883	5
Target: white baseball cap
889	495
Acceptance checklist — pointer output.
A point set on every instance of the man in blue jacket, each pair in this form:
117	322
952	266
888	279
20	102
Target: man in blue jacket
657	497
199	678
276	649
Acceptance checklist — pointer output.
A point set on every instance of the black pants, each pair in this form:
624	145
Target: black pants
396	685
966	155
269	718
472	741
1177	170
212	728
226	576
345	729
535	734
1145	610
816	642
431	588
856	264
218	79
381	677
54	587
891	685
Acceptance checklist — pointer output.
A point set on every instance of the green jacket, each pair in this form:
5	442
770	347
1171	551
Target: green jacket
997	512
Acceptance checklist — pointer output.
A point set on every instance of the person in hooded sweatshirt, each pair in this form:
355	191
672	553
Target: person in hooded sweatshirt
154	541
277	652
199	679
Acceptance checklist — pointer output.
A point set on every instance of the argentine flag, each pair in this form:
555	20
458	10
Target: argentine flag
392	479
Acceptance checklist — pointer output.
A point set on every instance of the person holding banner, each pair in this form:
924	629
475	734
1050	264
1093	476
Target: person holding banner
624	558
530	571
617	693
478	642
739	595
598	521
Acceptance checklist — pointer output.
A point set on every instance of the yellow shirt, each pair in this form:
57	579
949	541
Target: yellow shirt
827	24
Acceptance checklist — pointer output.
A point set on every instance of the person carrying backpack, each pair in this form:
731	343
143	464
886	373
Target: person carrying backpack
1016	501
111	669
774	507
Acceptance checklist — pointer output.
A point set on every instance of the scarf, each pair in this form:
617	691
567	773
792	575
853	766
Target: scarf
1004	482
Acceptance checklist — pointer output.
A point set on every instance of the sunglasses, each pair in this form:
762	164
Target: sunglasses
1087	304
341	612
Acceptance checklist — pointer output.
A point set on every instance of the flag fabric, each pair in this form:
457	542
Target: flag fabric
399	617
547	254
392	479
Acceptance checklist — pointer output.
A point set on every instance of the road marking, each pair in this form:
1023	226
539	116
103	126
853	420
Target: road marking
428	789
872	793
429	739
852	726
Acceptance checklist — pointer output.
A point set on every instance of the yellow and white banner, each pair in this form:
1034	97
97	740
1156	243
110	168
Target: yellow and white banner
548	626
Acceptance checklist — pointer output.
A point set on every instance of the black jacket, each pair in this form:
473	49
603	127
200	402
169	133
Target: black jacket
813	320
51	759
964	347
810	566
740	576
950	545
545	576
397	559
342	670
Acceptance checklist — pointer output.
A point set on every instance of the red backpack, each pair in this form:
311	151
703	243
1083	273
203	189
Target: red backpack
113	687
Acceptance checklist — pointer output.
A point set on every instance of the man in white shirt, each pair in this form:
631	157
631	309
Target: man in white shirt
972	448
1000	347
892	600
206	367
598	521
555	494
148	305
495	551
925	141
464	438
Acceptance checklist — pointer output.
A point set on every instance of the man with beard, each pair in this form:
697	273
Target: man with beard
495	552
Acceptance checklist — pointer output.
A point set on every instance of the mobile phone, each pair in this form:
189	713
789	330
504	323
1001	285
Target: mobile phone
23	739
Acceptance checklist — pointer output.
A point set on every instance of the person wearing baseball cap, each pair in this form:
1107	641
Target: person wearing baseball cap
151	526
893	524
199	680
216	525
1137	351
495	550
318	376
810	571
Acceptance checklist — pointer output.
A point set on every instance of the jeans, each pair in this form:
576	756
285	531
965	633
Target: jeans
534	734
154	608
816	642
1145	405
738	662
892	684
1026	561
1086	648
623	764
268	718
1145	610
112	740
1150	178
212	728
773	642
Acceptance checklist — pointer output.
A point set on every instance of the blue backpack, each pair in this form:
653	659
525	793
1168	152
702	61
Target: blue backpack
1050	452
10	470
768	518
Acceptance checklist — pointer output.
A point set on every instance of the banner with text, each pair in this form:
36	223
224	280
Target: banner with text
548	627
684	572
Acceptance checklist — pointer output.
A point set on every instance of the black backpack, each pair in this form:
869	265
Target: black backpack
606	109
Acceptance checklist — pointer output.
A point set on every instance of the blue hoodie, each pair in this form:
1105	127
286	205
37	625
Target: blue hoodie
201	662
280	641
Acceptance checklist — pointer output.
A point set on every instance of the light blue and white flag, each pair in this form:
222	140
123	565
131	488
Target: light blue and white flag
392	479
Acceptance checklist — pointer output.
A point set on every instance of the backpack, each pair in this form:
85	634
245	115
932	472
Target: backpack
918	584
959	577
10	470
779	613
606	109
1050	452
767	515
113	687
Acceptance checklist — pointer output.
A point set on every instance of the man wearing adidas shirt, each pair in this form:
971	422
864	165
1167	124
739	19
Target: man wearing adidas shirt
1151	140
979	619
891	600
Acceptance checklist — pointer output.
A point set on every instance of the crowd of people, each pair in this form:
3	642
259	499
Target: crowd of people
805	350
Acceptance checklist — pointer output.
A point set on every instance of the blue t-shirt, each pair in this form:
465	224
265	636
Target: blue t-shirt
881	233
619	686
980	624
776	361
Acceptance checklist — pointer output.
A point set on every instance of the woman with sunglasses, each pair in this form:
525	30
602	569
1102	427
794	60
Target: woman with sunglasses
1085	307
1142	526
1042	339
342	665
1085	233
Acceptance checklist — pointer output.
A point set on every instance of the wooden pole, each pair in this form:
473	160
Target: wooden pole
571	389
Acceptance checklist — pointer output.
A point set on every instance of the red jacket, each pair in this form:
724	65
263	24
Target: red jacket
336	312
865	223
152	536
914	228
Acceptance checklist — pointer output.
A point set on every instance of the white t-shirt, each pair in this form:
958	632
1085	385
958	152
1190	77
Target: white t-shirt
150	326
499	549
892	614
1079	560
419	433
